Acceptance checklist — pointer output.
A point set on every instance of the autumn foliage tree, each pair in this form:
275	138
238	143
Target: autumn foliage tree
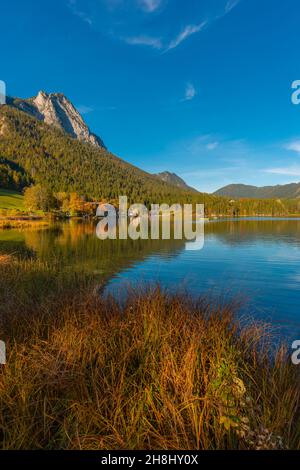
38	198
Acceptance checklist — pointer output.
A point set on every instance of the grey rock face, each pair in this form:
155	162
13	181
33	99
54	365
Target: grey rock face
56	110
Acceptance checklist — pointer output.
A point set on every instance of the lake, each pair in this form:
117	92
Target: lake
256	260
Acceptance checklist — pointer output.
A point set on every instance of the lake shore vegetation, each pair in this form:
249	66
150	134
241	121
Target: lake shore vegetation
153	371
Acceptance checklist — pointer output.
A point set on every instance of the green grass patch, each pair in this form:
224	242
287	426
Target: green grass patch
11	200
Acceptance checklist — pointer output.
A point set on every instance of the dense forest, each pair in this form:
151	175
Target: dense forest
12	176
64	169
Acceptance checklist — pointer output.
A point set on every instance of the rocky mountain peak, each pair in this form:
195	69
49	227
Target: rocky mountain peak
56	110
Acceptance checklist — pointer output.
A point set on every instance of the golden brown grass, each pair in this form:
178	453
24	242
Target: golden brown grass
20	223
5	259
157	372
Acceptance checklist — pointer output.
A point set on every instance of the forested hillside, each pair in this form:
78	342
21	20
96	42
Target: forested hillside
32	151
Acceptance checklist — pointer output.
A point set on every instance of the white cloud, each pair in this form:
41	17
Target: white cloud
190	92
156	43
149	5
83	109
212	145
107	108
186	33
196	28
81	14
294	146
230	5
289	170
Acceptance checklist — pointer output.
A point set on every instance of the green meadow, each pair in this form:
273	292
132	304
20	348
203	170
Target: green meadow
11	200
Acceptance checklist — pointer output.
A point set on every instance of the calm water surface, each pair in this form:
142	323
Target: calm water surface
256	259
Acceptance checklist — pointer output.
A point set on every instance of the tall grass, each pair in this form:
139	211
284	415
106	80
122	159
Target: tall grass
21	224
155	372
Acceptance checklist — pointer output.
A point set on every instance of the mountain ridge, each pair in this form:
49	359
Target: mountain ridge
174	179
285	191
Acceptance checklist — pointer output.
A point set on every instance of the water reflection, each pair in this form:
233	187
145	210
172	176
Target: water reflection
76	245
258	259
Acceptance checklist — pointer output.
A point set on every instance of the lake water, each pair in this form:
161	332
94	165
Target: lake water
257	260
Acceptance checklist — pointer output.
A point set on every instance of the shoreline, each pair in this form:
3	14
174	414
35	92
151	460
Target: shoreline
23	222
7	223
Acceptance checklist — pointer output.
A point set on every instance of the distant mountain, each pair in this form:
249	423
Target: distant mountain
173	179
56	110
237	191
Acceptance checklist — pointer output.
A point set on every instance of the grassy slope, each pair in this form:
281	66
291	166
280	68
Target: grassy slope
11	200
12	211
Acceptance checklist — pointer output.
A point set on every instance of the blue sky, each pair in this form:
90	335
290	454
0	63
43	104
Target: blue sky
198	87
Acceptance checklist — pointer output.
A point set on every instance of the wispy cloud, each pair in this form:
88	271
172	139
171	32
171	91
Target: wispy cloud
212	145
156	43
190	92
230	5
107	108
188	31
191	29
294	146
83	109
77	12
160	44
165	44
150	5
285	171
